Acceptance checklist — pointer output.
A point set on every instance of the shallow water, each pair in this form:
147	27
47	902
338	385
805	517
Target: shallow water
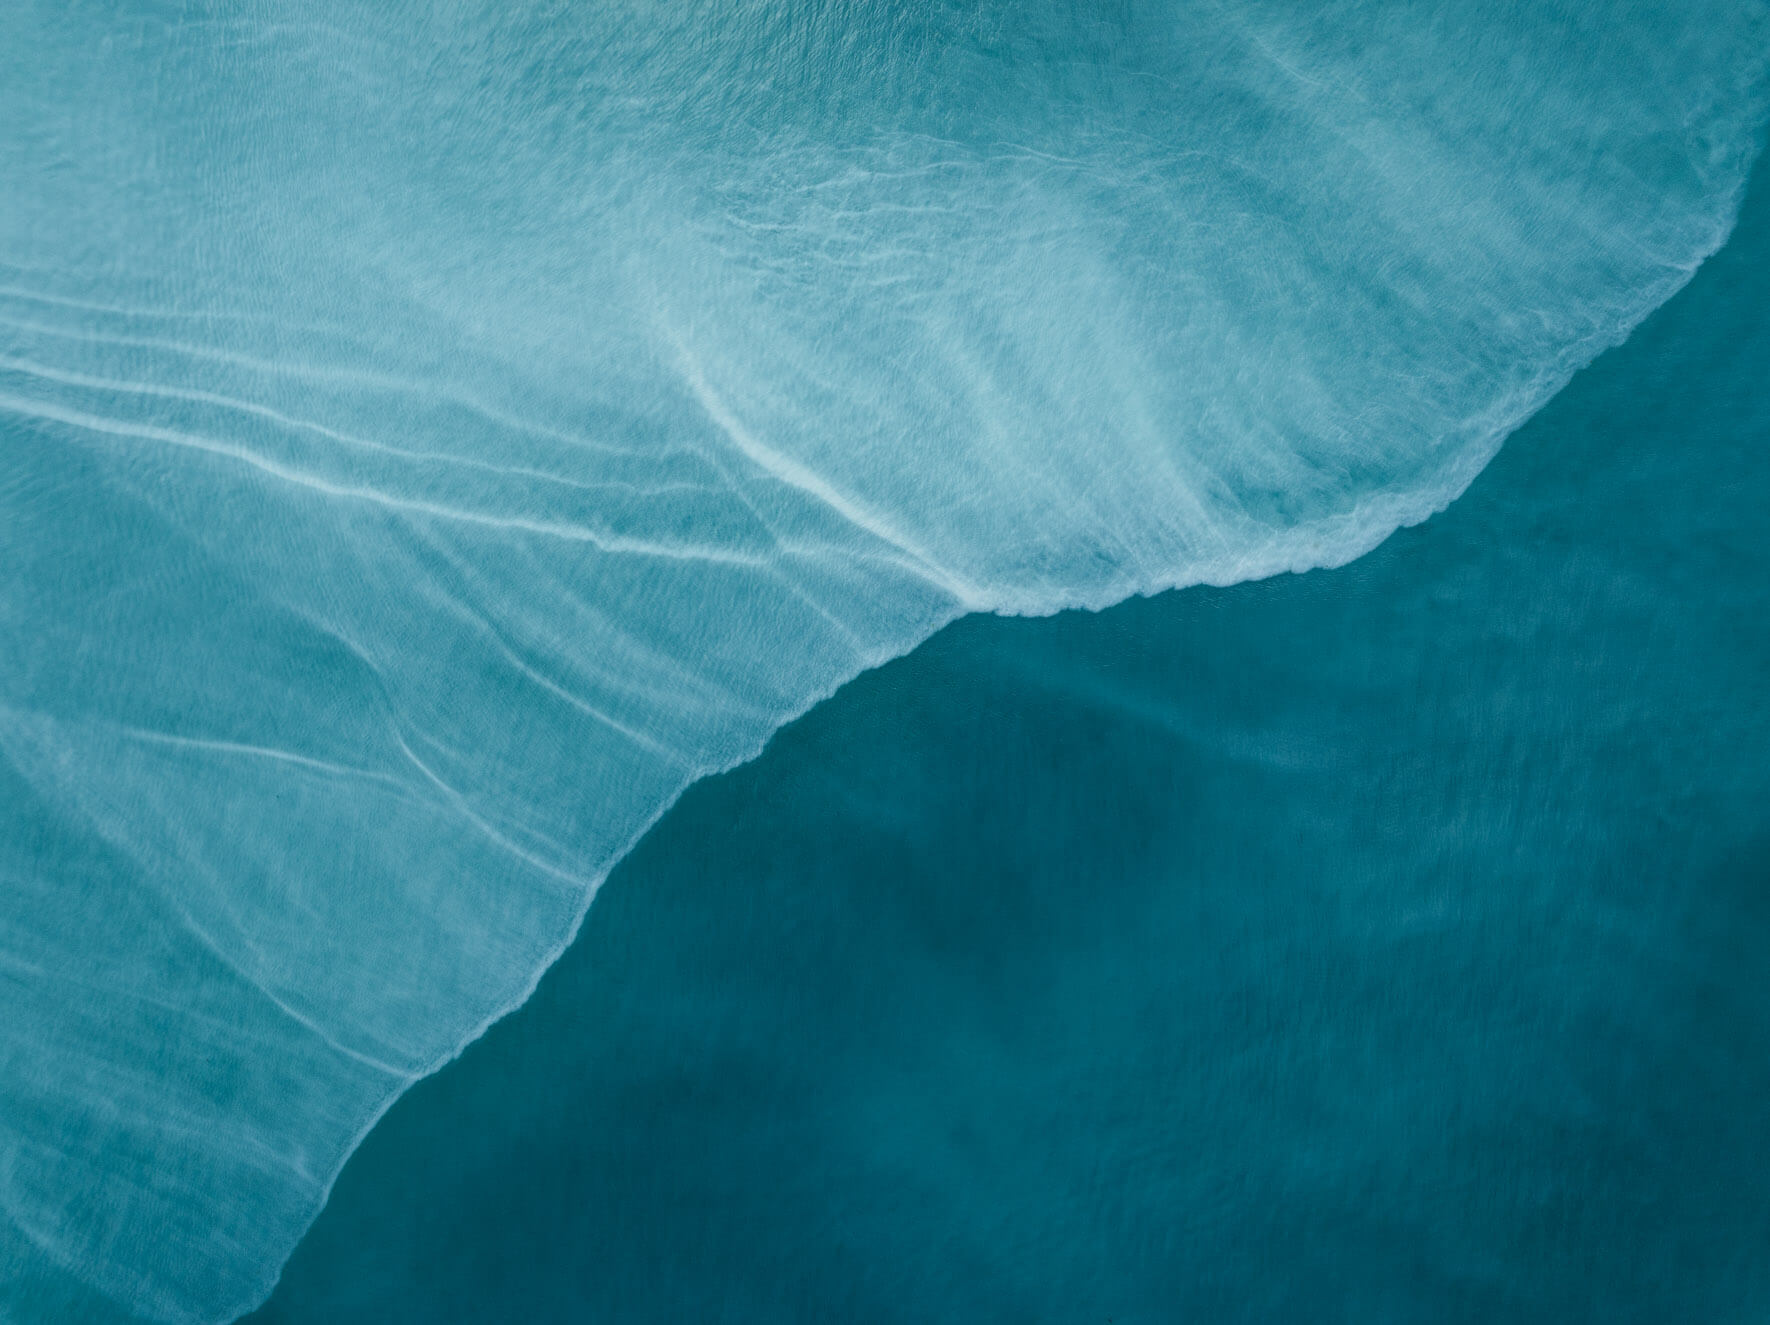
1383	943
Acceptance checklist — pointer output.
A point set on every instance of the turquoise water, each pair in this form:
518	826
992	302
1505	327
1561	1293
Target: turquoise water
1384	943
436	435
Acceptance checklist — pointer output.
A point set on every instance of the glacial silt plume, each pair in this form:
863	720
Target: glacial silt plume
434	434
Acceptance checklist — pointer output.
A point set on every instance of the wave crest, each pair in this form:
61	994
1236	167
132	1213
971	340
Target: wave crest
434	437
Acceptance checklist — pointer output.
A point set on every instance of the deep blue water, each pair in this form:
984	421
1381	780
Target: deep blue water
1377	944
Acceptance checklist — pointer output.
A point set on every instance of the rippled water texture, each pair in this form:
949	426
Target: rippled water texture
1380	944
434	435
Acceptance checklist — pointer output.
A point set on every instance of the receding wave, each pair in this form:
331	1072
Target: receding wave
435	435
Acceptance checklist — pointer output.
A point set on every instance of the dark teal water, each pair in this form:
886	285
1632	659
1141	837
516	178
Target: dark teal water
1378	944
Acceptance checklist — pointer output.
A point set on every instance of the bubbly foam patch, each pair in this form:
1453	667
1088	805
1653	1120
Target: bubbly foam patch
434	436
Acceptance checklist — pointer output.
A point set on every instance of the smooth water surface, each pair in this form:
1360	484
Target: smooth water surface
1376	944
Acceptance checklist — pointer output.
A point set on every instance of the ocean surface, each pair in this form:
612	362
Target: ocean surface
1378	944
438	437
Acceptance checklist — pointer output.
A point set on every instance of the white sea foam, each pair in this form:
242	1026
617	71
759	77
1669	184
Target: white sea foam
432	435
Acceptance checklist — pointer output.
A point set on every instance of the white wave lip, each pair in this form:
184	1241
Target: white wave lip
432	437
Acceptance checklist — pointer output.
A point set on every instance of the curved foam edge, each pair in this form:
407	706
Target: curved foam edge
416	562
1384	516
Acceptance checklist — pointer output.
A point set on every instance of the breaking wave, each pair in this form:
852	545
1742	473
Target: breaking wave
435	436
